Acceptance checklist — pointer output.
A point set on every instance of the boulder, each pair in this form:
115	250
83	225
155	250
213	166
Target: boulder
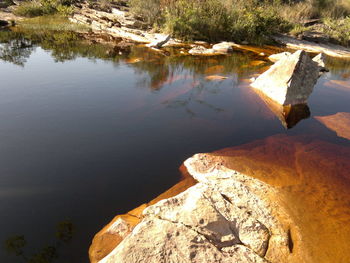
290	80
278	56
223	47
201	51
160	42
320	60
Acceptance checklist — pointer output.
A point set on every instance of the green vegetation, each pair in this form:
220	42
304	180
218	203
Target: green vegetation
35	8
239	20
338	30
52	23
216	20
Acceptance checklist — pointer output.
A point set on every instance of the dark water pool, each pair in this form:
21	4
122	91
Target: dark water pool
88	131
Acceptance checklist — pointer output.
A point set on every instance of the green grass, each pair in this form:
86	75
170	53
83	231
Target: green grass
339	30
242	20
51	23
33	8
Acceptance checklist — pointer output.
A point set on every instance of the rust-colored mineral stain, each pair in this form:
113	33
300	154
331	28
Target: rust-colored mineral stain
263	51
255	63
339	122
133	60
104	241
215	77
215	69
313	181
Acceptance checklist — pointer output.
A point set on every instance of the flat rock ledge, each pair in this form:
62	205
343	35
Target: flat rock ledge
226	217
121	24
328	49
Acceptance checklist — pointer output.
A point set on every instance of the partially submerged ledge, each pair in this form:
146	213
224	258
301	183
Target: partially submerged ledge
281	199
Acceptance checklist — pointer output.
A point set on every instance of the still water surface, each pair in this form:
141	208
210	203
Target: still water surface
88	131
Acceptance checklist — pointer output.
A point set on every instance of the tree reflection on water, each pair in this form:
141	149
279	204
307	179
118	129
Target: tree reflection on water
16	245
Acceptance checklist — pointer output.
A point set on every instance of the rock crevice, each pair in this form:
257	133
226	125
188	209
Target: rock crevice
225	217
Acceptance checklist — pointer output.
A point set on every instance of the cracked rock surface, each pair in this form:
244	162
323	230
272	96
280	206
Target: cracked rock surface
225	217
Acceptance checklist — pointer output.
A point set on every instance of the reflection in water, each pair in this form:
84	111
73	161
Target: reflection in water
15	48
289	115
340	123
123	127
313	180
16	245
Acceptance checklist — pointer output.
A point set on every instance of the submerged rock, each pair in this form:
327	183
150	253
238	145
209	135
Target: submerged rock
295	188
290	80
215	77
340	123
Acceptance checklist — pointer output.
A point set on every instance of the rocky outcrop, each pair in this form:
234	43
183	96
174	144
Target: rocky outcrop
340	123
313	47
225	217
290	80
112	234
8	18
291	206
223	47
158	43
118	23
202	51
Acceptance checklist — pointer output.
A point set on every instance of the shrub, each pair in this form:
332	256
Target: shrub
205	20
43	7
338	30
149	10
29	9
214	20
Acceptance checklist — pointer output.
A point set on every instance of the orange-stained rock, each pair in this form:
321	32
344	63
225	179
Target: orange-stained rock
257	63
340	123
215	77
313	180
113	233
265	50
215	69
133	60
281	199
